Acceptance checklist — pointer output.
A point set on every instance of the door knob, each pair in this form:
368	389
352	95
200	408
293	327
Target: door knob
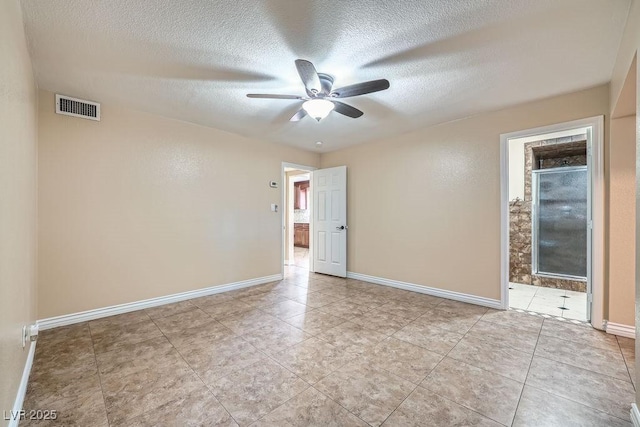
342	227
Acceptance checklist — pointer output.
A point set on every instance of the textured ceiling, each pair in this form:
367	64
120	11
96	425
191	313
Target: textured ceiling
196	60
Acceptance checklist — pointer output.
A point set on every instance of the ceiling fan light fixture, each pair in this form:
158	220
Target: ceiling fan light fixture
318	108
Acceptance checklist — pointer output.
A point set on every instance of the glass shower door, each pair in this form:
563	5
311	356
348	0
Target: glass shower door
560	210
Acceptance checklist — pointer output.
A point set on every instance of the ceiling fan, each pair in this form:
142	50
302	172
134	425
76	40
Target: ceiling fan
321	99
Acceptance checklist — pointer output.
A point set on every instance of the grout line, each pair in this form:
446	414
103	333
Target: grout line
524	384
106	412
626	365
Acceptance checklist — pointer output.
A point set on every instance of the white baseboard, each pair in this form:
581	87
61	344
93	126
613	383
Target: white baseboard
456	296
69	319
635	415
621	330
14	416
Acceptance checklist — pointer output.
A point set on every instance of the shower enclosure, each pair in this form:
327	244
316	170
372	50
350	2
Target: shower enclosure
560	222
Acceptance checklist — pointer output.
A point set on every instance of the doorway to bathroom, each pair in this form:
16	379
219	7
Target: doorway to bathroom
550	209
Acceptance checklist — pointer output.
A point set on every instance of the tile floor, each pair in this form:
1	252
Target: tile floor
301	257
314	350
555	302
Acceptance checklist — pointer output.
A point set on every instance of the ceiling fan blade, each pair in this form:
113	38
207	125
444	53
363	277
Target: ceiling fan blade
309	76
298	116
270	96
361	88
347	110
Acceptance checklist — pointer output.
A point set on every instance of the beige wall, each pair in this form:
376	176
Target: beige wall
424	207
629	47
18	159
139	206
622	179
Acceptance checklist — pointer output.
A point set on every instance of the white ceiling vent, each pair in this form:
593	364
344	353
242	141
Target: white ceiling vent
77	107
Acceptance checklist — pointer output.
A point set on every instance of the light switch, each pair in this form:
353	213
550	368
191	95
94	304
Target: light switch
274	207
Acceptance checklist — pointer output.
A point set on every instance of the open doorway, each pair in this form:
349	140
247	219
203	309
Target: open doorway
548	240
297	217
551	196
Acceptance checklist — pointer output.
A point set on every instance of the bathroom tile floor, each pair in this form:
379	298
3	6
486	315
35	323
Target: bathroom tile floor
315	350
301	257
555	302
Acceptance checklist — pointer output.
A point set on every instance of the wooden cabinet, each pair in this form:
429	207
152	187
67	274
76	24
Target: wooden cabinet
301	195
301	235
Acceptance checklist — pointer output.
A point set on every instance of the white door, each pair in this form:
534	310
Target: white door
330	221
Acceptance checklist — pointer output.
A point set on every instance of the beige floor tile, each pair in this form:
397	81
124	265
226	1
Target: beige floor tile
367	300
491	357
461	307
63	359
132	358
540	408
405	309
248	321
83	409
491	395
284	310
583	334
158	366
275	337
169	309
459	322
309	408
430	337
414	298
351	337
146	389
176	324
257	390
503	334
628	348
316	299
198	408
425	408
63	339
216	359
597	391
514	319
293	292
403	359
381	321
264	299
197	333
344	309
370	393
315	322
109	338
313	359
606	362
227	309
44	390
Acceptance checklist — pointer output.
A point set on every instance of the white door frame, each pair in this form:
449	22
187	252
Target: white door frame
283	204
598	205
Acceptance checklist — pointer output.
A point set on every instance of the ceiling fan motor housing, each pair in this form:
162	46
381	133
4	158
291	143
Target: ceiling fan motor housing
326	81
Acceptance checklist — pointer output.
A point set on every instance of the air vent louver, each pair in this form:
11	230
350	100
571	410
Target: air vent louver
77	107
